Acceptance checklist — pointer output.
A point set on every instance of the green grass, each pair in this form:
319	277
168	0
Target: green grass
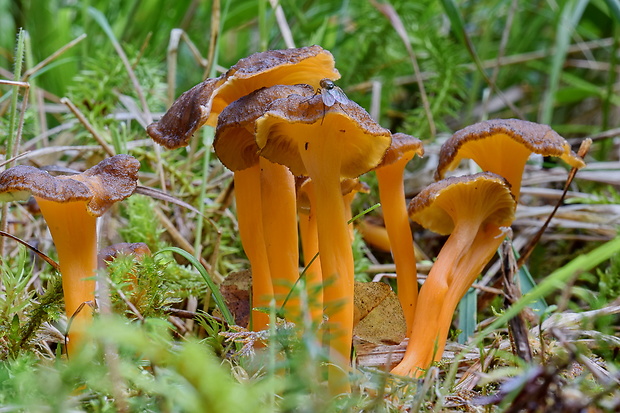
148	358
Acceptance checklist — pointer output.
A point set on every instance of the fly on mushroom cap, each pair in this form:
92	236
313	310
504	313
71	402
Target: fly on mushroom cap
474	209
204	102
235	143
502	146
295	124
70	205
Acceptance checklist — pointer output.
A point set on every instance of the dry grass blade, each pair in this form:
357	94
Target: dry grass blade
33	249
30	72
527	251
80	116
285	30
388	11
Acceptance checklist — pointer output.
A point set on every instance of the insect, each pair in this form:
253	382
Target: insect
330	93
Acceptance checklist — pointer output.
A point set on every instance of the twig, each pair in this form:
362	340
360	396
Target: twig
527	251
52	57
80	116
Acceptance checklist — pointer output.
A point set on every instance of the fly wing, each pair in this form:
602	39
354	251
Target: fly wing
339	96
328	97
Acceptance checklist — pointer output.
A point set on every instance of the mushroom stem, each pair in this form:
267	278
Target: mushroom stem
249	215
310	248
74	232
459	262
322	161
279	218
396	218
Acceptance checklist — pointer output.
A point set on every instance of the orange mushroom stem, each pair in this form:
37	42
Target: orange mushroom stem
70	206
310	248
327	144
475	209
390	176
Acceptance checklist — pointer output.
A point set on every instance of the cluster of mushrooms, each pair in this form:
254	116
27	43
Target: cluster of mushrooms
295	150
294	147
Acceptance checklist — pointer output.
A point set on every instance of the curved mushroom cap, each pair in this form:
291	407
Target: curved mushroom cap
402	144
293	123
186	115
234	142
274	67
205	101
438	206
498	143
111	180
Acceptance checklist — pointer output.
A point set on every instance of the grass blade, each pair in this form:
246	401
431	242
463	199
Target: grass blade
215	291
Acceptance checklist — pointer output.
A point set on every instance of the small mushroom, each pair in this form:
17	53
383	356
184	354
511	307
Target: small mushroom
70	206
266	199
204	102
327	144
390	176
503	146
474	209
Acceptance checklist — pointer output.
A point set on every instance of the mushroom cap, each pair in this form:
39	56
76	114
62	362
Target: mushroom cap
234	142
498	141
186	115
439	205
204	102
293	123
111	180
402	145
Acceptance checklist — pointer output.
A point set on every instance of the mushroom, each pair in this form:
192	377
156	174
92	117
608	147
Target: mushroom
204	102
502	146
306	207
326	144
70	206
390	176
475	209
266	199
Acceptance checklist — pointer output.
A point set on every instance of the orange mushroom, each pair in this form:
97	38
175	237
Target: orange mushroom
306	207
327	144
390	176
475	209
70	206
503	146
204	102
272	205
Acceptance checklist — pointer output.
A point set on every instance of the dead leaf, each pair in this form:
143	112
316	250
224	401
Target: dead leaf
378	316
236	292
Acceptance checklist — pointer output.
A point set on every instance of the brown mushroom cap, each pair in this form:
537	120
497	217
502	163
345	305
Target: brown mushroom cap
294	122
204	102
275	67
235	144
111	180
186	115
401	145
438	205
496	145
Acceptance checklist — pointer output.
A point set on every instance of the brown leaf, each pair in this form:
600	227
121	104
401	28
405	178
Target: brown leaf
378	316
236	292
